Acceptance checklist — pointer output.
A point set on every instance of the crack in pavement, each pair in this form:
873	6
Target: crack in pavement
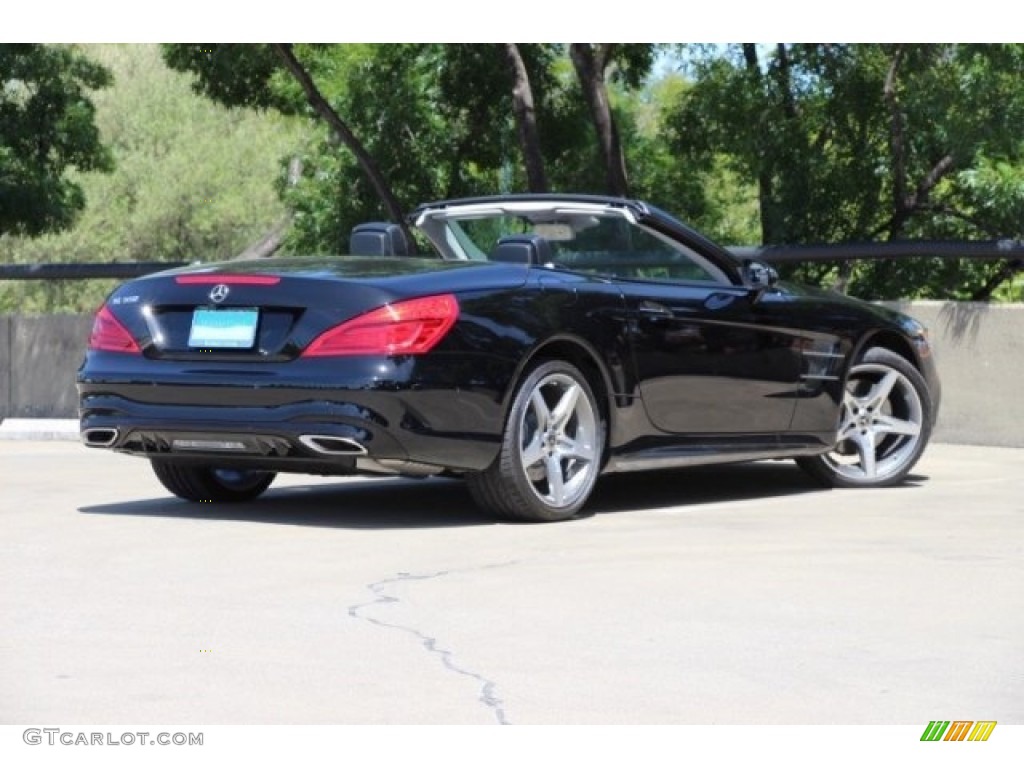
488	695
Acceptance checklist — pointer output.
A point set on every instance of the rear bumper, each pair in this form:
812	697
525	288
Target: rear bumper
294	438
416	426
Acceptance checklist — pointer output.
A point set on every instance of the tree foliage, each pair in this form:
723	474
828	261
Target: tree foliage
193	181
864	142
234	74
47	128
438	120
777	143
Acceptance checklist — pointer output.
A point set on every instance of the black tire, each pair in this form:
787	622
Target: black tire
210	484
550	457
884	425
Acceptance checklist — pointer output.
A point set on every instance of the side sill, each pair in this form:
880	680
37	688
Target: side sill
695	456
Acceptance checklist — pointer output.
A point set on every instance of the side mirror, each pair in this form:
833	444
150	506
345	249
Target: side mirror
759	276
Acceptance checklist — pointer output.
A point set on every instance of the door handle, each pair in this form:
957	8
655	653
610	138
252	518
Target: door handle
719	301
653	309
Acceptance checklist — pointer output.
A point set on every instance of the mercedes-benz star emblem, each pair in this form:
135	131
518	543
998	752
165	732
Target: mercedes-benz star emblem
219	293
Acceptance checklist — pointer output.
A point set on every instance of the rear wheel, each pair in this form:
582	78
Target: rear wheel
196	483
884	425
551	449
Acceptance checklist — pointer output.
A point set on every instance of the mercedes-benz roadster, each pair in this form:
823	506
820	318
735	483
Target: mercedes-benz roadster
544	341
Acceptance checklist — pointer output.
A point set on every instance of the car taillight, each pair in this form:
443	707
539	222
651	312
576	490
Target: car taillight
227	279
108	335
410	327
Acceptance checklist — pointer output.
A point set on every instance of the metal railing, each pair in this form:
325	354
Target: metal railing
985	250
86	271
990	250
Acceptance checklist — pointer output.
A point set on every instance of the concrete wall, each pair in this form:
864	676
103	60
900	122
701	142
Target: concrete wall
979	350
5	366
39	356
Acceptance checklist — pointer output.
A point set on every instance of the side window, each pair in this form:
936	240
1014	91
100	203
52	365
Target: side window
613	247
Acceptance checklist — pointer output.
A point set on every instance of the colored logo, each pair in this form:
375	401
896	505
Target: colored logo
958	730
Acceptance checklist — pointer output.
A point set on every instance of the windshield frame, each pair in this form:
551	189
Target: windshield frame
435	221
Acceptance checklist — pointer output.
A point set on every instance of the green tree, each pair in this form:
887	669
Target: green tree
282	77
192	181
367	164
429	121
709	194
595	63
785	143
235	74
525	111
387	95
47	128
863	142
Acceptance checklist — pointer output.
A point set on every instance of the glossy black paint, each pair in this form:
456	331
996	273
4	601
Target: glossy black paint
686	372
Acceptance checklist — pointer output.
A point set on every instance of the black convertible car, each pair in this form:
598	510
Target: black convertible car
547	340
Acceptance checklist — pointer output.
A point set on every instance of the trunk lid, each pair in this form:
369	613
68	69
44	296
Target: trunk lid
271	309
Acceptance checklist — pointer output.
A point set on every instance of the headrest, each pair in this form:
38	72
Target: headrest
522	249
378	238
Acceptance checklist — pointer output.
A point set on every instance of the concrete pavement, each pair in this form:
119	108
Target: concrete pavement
739	594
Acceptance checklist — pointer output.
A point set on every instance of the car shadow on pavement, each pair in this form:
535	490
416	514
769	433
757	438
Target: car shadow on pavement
712	484
386	503
443	502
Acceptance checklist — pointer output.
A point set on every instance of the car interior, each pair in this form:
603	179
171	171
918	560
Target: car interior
602	242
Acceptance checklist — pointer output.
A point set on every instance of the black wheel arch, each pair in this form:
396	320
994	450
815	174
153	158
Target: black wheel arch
892	340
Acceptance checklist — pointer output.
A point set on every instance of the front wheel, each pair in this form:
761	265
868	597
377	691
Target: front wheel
884	425
551	449
197	483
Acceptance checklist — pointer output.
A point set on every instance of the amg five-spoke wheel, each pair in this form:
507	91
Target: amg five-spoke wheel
884	425
557	436
551	448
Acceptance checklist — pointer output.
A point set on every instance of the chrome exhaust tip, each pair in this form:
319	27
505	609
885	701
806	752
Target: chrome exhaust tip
334	446
99	437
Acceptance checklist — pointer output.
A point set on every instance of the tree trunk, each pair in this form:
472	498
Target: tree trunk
785	81
272	241
267	245
333	119
769	218
905	202
1004	273
897	148
526	120
590	63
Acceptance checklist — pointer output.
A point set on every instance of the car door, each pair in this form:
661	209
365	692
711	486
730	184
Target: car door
712	358
709	356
